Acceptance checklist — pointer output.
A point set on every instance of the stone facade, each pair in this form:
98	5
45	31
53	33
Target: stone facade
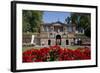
50	31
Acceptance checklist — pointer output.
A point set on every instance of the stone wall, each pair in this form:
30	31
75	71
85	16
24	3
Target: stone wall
42	39
26	38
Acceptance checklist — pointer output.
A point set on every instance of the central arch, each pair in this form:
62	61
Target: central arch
58	39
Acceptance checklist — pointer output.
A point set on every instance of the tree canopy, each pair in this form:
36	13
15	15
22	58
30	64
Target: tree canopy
81	20
31	20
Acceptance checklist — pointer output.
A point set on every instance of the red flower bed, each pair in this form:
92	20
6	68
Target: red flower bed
56	53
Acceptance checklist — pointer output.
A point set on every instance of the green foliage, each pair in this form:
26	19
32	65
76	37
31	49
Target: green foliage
68	20
31	20
82	20
85	22
74	18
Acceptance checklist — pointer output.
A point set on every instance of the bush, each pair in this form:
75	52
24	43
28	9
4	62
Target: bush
56	53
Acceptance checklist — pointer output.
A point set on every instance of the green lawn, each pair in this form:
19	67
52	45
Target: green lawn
74	47
27	48
69	47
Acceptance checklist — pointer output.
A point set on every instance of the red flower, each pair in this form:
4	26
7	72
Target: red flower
56	53
27	59
38	60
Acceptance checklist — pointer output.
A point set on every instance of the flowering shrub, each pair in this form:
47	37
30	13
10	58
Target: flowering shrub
56	53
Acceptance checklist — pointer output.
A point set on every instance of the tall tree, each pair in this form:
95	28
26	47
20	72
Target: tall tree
68	19
85	22
31	20
82	20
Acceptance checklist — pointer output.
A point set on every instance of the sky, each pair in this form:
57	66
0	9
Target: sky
51	16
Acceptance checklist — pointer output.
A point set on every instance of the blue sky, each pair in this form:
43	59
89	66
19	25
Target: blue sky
52	16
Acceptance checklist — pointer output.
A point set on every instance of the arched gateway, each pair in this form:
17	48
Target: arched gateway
58	39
